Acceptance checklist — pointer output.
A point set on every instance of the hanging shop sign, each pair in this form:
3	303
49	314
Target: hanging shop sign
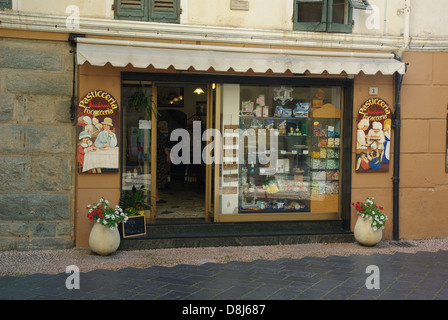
98	133
373	136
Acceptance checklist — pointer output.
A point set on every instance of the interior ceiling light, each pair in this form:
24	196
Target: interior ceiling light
198	91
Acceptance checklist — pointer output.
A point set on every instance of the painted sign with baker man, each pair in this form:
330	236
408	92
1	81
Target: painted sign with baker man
98	133
373	136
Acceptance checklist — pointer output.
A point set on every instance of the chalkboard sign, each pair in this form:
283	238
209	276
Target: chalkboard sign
135	226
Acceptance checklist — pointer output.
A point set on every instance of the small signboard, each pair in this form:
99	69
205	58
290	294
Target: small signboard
373	136
135	226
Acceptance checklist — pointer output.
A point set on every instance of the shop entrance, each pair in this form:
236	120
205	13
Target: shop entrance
158	160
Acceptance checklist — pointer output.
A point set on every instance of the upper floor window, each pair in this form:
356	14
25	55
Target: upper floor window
148	10
326	15
5	4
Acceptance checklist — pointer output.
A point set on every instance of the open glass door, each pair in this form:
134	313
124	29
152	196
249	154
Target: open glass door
137	147
182	180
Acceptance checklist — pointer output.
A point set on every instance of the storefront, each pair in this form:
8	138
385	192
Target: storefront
226	134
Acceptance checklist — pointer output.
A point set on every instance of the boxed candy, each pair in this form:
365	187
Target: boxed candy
301	110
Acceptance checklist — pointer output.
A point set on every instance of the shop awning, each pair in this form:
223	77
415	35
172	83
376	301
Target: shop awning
140	54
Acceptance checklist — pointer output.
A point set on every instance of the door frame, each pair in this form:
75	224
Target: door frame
208	172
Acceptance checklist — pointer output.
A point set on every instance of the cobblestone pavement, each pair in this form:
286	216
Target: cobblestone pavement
403	276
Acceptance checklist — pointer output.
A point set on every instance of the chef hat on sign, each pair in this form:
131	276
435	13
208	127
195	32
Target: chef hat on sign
377	125
363	123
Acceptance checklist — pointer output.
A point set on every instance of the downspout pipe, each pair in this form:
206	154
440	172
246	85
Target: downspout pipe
396	124
72	40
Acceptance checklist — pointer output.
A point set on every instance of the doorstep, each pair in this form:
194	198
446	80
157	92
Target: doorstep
186	233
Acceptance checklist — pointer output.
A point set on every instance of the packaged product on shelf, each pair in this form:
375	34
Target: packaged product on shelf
323	132
280	166
318	164
318	187
282	112
330	142
278	111
265	111
258	111
269	126
272	187
332	187
317	103
332	153
336	142
319	175
332	175
291	131
247	108
315	154
323	153
322	143
282	128
286	165
298	178
260	100
301	110
332	163
287	113
316	129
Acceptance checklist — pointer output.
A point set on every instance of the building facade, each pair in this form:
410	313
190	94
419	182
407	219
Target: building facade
311	105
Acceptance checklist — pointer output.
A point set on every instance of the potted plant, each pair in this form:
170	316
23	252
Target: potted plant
134	204
104	237
140	102
370	224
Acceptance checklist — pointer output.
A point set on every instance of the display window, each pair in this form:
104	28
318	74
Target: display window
289	149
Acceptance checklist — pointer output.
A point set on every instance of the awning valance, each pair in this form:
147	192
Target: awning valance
141	54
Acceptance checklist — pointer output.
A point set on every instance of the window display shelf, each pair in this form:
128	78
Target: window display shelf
306	175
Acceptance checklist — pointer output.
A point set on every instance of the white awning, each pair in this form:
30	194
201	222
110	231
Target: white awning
141	54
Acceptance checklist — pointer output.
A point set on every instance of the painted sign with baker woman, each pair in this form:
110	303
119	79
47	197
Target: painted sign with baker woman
373	136
98	133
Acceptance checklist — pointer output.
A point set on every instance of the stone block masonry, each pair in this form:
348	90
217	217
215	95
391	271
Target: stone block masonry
37	145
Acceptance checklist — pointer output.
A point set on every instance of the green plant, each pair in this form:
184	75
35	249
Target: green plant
140	102
370	210
135	201
106	215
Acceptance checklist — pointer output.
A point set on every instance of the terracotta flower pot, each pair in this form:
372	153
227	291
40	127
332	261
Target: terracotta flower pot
103	240
364	233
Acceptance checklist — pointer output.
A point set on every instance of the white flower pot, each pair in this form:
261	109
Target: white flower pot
364	233
103	240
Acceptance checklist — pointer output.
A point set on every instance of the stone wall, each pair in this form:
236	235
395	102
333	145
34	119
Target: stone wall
37	145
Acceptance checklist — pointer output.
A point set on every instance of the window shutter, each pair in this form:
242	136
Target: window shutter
314	13
340	26
164	11
5	4
360	4
131	9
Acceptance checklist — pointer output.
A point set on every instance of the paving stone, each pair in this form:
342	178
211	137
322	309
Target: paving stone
233	293
311	294
402	276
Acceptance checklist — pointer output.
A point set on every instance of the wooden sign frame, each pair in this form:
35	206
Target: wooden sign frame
124	231
373	137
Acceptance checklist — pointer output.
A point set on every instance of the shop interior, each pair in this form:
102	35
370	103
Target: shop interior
180	187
